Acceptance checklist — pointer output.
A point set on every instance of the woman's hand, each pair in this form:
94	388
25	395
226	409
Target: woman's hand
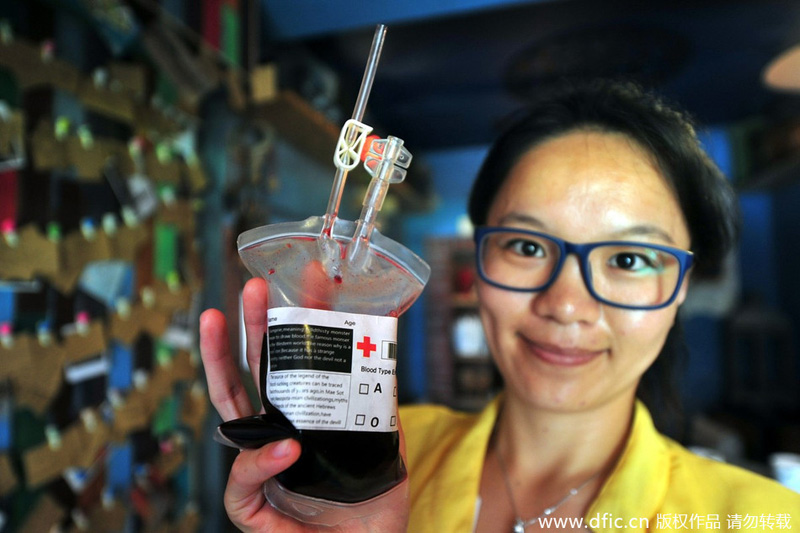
244	499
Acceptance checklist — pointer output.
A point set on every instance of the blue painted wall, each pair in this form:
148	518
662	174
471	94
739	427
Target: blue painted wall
786	212
294	19
701	384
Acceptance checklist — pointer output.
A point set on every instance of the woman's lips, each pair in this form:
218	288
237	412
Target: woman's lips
557	355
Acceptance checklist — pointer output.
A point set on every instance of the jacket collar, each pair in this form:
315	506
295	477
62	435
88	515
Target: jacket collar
635	489
638	483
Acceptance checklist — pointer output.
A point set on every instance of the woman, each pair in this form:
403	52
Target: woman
585	210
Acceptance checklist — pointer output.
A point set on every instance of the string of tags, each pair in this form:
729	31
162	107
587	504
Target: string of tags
84	442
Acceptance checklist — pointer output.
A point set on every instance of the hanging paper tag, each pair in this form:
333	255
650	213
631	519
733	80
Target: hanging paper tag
85	136
88	229
6	335
129	217
48	51
109	223
62	128
53	232
100	78
53	437
6	37
8	228
43	333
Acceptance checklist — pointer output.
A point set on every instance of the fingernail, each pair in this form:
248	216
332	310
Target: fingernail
282	449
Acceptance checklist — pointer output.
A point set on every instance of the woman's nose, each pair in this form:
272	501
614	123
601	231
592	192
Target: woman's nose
567	299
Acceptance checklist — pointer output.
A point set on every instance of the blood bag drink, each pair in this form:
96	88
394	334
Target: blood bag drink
329	358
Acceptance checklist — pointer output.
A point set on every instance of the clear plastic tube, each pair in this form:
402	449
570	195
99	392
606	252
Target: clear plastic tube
387	162
335	199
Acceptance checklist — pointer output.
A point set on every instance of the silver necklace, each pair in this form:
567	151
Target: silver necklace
519	523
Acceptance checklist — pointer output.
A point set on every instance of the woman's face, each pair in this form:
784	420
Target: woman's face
560	349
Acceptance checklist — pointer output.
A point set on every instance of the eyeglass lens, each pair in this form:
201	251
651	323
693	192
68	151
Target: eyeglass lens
630	274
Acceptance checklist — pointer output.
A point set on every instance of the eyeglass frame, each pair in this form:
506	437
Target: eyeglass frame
581	251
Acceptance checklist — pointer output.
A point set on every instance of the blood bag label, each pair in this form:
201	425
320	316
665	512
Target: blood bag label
303	347
333	370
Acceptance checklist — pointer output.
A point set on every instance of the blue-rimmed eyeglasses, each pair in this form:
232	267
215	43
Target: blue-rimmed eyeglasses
630	275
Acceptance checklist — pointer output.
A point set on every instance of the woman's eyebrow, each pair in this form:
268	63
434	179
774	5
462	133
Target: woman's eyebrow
639	230
521	218
644	230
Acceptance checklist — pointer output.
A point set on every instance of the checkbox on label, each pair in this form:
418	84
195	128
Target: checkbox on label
393	421
363	388
360	419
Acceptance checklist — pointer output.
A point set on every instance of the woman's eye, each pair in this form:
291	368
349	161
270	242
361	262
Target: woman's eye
524	247
635	261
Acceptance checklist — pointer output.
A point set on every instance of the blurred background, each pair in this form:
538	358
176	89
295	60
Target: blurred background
138	138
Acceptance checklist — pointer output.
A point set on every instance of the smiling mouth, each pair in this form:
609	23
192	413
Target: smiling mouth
557	355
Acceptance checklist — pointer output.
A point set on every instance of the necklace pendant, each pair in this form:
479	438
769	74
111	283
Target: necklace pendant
519	526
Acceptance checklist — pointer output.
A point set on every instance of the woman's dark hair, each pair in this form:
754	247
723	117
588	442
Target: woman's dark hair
706	199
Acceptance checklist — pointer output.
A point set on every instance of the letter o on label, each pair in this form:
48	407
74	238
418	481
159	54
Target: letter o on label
374	422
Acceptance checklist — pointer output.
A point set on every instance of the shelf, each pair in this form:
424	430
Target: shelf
300	124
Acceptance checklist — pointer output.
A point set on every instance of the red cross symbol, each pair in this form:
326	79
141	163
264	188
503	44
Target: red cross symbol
366	346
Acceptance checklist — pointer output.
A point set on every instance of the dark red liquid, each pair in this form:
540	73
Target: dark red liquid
345	466
341	466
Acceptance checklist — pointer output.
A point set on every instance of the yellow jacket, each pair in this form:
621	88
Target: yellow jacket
656	485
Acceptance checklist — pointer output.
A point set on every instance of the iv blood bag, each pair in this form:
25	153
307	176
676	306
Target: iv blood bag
328	365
